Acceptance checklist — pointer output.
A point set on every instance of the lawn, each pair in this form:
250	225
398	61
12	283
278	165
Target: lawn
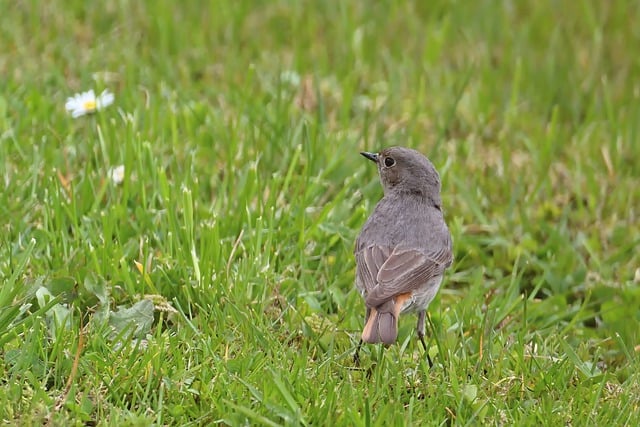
212	282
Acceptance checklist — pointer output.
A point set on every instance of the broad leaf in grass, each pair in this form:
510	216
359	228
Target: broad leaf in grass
137	319
57	316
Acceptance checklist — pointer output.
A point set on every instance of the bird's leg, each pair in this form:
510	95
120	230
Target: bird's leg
422	317
420	327
356	356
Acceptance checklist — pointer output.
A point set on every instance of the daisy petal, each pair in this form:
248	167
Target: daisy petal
117	174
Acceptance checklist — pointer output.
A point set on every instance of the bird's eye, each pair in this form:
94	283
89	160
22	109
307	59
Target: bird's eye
388	162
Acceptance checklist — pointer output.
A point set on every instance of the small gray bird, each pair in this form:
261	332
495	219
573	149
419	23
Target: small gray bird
404	247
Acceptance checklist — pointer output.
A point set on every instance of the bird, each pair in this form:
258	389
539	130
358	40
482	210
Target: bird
404	246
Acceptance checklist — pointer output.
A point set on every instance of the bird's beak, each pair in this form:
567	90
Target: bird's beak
371	156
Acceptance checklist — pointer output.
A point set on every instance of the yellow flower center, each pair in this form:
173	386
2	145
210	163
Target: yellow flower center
89	105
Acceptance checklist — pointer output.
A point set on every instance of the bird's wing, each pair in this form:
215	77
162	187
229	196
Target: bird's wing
404	270
369	260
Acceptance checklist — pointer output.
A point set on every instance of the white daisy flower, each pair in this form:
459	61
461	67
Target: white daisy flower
87	102
116	175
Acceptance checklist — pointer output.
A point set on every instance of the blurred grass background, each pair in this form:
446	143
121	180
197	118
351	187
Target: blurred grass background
215	284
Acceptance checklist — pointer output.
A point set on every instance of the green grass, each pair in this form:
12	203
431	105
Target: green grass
215	284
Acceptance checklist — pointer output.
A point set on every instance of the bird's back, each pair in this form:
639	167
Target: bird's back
416	226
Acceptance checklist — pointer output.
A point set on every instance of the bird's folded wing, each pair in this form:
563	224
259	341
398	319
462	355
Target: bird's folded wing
369	261
403	270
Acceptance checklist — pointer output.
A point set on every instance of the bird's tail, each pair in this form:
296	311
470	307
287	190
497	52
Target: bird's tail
382	324
381	327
